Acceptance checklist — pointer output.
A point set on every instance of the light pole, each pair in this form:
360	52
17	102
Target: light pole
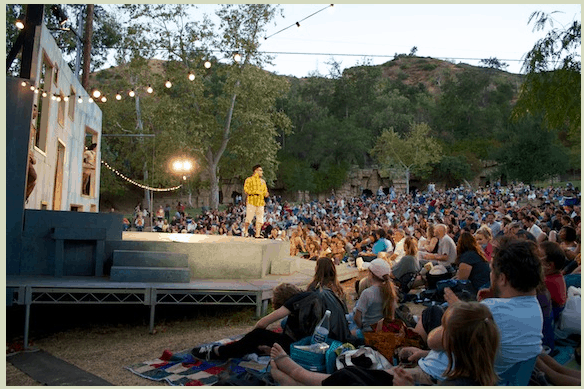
183	166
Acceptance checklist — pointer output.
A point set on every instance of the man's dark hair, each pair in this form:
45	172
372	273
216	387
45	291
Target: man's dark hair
92	146
256	167
381	233
519	261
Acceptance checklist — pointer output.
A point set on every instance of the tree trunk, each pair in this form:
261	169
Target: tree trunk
214	181
407	181
140	126
87	46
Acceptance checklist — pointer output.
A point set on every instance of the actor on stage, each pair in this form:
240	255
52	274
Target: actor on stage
256	189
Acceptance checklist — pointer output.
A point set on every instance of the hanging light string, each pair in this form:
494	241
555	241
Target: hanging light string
298	22
97	96
137	183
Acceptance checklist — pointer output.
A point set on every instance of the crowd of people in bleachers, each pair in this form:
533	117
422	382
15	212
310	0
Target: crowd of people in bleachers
511	247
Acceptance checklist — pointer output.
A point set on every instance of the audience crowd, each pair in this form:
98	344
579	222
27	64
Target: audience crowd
511	246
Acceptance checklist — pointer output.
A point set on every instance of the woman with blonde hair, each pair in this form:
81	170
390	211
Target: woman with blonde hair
484	238
409	263
432	240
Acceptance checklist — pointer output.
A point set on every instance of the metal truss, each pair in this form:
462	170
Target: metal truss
28	295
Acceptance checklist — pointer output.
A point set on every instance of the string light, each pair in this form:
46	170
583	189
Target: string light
103	99
118	96
192	76
32	87
19	24
297	24
58	98
207	64
36	91
80	100
149	89
237	57
44	94
90	100
96	93
168	84
53	97
131	93
137	183
66	98
23	83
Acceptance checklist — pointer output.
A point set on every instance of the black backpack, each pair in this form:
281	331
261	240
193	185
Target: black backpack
310	311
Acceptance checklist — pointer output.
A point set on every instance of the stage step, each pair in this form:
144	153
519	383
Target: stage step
286	265
150	274
137	258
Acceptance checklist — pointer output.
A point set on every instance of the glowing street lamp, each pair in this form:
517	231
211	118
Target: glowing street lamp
182	167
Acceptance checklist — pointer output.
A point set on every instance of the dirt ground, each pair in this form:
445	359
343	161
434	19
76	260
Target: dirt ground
101	346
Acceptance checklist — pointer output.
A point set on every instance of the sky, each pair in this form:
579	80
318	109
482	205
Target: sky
354	34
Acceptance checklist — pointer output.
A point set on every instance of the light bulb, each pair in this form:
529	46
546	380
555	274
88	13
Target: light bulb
118	96
103	99
237	57
207	64
131	93
53	97
80	100
184	178
187	165
36	91
32	87
168	84
177	165
192	76
58	98
90	100
19	24
23	83
44	94
66	98
149	89
96	93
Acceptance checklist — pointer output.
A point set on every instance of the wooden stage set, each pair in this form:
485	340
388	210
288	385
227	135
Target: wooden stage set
153	269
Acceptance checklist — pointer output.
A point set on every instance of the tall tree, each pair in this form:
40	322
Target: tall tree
552	85
413	152
226	117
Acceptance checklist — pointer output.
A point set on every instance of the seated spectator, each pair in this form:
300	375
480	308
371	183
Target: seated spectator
139	223
484	238
567	239
409	263
158	225
446	253
376	302
325	276
471	261
464	324
125	224
165	226
288	301
380	243
553	263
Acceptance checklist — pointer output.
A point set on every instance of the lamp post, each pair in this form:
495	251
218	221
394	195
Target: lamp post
183	166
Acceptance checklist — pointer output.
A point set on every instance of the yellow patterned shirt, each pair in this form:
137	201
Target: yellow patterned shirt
256	189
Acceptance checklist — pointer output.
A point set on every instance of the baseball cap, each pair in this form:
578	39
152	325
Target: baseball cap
379	268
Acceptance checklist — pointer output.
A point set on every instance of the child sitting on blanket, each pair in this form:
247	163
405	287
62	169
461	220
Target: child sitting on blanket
376	302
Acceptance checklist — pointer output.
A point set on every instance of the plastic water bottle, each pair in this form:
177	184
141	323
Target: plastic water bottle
322	329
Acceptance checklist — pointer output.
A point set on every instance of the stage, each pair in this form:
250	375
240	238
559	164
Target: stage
222	271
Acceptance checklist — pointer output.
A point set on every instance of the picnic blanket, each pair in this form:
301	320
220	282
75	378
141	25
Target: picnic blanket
182	369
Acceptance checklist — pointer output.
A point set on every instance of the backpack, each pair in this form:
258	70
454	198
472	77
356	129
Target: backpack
311	309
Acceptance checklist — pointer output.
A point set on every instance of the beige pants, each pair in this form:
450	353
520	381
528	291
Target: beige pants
251	211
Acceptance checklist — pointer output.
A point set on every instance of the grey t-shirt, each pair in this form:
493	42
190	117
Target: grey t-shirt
446	246
405	265
370	304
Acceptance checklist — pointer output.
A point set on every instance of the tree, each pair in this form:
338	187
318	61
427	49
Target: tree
494	63
531	152
226	118
106	31
552	83
412	153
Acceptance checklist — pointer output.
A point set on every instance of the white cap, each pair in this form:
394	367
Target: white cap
379	268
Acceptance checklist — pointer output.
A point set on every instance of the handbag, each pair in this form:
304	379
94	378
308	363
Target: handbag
394	334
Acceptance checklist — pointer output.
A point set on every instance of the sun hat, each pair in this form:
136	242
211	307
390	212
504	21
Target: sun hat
379	267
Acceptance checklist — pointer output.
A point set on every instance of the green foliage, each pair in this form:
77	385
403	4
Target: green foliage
553	77
106	31
452	170
531	152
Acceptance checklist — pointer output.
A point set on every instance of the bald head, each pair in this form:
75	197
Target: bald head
440	230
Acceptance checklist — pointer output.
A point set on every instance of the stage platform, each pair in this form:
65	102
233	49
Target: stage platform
29	290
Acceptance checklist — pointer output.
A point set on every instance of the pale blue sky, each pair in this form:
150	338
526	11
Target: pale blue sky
375	32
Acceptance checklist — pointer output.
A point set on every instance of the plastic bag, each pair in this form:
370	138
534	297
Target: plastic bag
571	315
